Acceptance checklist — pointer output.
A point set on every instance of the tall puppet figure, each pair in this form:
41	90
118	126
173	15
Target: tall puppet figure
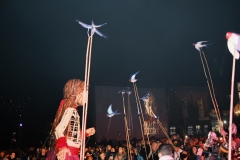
66	125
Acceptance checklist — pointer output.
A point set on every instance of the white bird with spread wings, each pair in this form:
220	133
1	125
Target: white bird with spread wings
93	28
200	44
110	112
132	78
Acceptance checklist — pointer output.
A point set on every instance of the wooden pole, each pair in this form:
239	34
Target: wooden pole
231	110
85	95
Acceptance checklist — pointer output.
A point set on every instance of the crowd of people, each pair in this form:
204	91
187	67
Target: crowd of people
185	148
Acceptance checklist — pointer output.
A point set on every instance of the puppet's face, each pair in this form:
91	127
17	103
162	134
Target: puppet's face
79	99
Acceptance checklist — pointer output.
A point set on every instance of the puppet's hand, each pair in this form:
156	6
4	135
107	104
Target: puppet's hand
90	131
62	153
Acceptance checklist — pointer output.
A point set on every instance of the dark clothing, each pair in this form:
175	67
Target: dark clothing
42	157
153	156
143	153
108	154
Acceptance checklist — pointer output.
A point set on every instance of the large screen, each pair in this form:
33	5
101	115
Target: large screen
119	113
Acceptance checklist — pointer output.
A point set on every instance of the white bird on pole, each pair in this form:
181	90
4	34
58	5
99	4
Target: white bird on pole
93	28
110	112
123	91
132	78
200	44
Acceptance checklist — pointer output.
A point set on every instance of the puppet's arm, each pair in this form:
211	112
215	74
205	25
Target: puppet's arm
89	132
61	139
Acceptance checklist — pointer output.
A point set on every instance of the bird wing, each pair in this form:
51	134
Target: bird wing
99	33
143	98
122	91
134	75
110	109
232	49
97	26
116	113
84	25
200	42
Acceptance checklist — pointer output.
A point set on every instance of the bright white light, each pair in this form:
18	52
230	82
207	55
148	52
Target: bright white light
224	121
20	125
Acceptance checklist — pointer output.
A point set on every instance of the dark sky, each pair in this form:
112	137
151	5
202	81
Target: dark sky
42	46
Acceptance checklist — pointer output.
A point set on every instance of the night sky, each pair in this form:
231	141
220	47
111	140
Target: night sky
42	46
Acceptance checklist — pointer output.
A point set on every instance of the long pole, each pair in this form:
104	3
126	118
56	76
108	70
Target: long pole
231	111
85	95
129	115
141	121
141	111
210	88
126	126
108	125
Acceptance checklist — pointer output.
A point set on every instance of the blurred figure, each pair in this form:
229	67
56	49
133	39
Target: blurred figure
177	149
195	154
102	156
42	155
12	156
108	150
111	156
113	150
165	152
153	155
88	156
143	146
2	154
184	155
120	155
136	153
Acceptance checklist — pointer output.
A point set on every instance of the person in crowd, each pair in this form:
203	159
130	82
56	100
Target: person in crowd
188	144
42	155
144	149
102	156
108	150
12	156
88	155
177	149
165	152
153	155
92	150
184	155
237	141
200	144
136	153
31	153
120	155
111	156
113	150
194	154
2	155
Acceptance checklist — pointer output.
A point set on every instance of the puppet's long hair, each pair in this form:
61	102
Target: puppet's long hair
72	88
